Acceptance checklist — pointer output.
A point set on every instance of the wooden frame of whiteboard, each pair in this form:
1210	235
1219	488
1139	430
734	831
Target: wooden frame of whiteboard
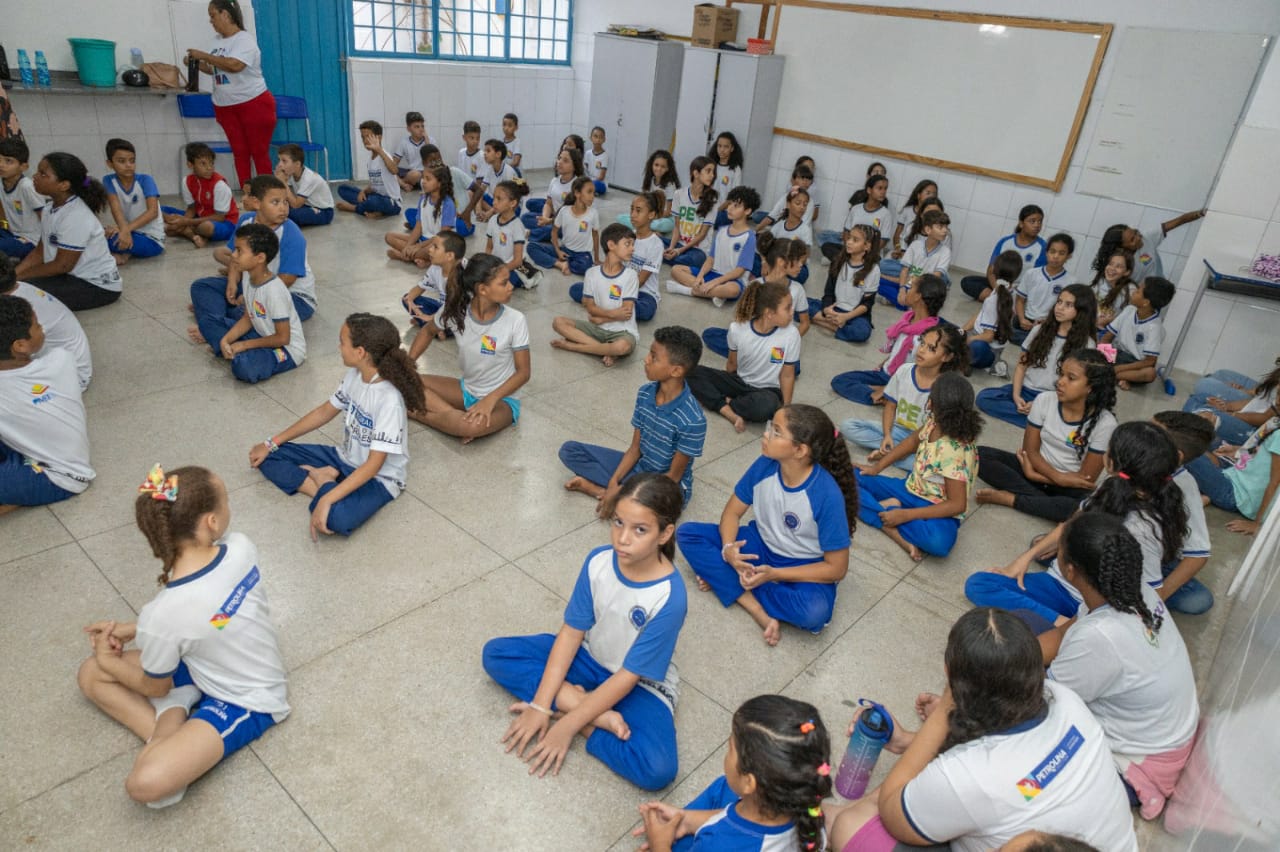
1103	31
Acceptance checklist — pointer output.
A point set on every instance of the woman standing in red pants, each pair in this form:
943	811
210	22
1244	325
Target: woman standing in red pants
241	102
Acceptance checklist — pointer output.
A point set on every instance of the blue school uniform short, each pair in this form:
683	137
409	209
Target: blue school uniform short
237	726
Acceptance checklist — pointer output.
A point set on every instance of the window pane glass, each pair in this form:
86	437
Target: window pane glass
383	14
562	31
561	53
537	29
364	38
448	46
405	41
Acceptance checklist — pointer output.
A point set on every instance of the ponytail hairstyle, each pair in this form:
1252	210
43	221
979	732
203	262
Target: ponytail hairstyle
933	293
232	8
1101	377
1112	242
1269	382
654	199
1007	268
671	178
169	526
69	168
1083	330
1026	212
479	269
812	427
578	144
735	156
443	176
860	197
580	183
1143	459
996	673
1118	296
870	261
660	495
513	189
709	196
1099	547
761	296
951	402
779	250
914	198
917	224
952	341
785	746
378	337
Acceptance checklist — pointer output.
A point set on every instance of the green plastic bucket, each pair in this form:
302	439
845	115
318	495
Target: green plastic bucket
95	60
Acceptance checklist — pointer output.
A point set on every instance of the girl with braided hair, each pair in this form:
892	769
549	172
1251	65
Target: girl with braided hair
1125	658
776	774
785	564
998	720
1062	447
1140	490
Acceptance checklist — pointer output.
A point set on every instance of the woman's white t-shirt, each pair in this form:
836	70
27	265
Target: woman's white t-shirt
245	85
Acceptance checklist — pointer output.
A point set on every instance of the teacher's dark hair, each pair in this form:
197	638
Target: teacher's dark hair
232	8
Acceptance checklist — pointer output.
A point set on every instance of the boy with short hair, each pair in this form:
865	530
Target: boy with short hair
510	124
382	196
1038	288
733	250
929	254
266	337
20	231
44	439
61	328
669	427
310	199
609	293
1138	331
470	163
495	171
408	151
597	161
1192	435
211	208
134	202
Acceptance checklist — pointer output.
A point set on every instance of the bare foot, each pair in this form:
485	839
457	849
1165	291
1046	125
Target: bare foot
1204	498
563	266
995	496
772	633
121	259
558	343
193	332
916	554
198	240
612	721
222	270
584	486
6	509
369	214
321	475
703	585
607	360
875	456
739	425
1122	384
891	503
191	309
420	262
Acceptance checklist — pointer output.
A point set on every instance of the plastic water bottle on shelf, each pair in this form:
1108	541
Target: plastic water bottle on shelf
135	58
42	70
24	69
870	735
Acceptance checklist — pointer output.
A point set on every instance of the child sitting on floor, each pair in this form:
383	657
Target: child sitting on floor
609	296
1138	331
211	212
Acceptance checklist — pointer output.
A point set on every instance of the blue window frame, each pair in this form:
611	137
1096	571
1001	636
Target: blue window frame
526	31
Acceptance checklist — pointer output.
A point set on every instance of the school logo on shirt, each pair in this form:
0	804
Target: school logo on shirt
564	196
502	238
259	309
775	355
488	345
792	520
737	247
582	227
615	292
1075	439
1028	257
1052	766
473	168
638	617
1140	338
724	180
41	393
875	223
17	206
1144	258
231	605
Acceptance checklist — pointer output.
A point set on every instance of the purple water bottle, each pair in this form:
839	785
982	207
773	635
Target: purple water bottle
870	735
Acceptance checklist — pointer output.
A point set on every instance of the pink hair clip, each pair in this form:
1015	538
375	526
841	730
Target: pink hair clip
824	770
1108	351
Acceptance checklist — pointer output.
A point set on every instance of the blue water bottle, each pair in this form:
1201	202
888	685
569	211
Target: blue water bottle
24	69
870	735
42	70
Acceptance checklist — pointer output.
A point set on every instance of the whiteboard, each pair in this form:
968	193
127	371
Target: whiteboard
1002	97
1173	103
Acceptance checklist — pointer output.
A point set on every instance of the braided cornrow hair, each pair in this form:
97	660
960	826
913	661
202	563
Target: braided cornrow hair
810	425
1102	392
169	526
785	745
1099	547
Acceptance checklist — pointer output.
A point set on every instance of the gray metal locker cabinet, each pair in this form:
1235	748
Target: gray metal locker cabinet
634	88
728	90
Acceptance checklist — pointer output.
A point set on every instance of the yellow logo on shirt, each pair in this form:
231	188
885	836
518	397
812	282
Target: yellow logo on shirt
1144	258
775	355
259	309
724	180
582	227
615	292
502	238
488	345
36	390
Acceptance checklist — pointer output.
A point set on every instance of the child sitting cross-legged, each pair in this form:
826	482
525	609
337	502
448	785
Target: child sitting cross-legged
1138	331
669	425
723	273
609	296
211	212
573	243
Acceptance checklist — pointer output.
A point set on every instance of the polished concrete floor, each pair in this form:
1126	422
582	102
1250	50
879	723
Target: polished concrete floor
394	737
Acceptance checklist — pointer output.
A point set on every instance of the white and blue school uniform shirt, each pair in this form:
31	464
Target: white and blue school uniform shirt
678	426
778	211
61	329
1053	774
919	260
647	257
268	304
989	316
313	189
598	163
373	418
1045	378
1146	530
1146	260
761	357
560	193
218	622
382	180
1138	683
730	251
513	151
1033	255
727	177
576	231
21	204
850	295
491	178
684	207
487	350
408	153
1060	439
629	625
74	227
505	236
44	419
291	259
1041	291
729	831
882	219
472	164
798	525
433	222
1196	541
1141	338
611	293
910	398
133	202
801	232
245	85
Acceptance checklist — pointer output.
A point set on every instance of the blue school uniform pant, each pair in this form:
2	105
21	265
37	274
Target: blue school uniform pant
284	469
222	231
601	187
543	255
22	485
690	257
203	291
935	536
1213	483
1043	594
647	759
1231	429
214	317
143	246
646	305
870	434
856	330
537	233
981	355
306	217
1191	598
856	385
373	202
595	463
805	605
428	306
998	403
13	245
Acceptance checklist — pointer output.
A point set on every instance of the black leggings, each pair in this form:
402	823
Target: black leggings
76	293
1001	469
973	285
714	387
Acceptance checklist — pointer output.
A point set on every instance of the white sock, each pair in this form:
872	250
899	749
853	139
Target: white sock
673	287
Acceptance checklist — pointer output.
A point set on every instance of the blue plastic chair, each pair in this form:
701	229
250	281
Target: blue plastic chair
197	105
293	108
